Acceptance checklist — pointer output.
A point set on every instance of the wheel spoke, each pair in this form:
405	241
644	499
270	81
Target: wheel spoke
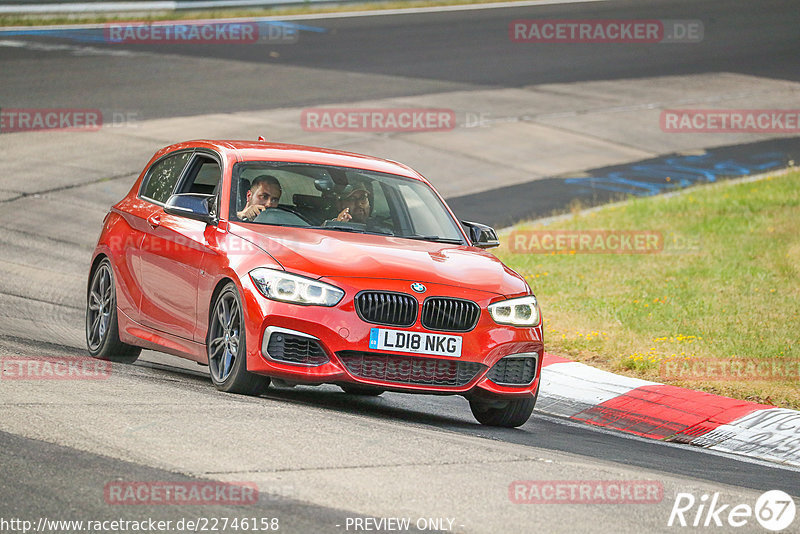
93	332
234	314
228	361
217	356
107	298
235	339
96	323
221	316
215	346
102	277
103	325
227	313
94	301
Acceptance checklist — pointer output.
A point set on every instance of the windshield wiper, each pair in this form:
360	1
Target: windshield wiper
347	228
434	238
339	228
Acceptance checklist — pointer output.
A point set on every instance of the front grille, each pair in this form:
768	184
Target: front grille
295	349
449	314
409	369
513	371
391	309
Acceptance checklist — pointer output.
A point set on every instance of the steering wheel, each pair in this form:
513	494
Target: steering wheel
282	215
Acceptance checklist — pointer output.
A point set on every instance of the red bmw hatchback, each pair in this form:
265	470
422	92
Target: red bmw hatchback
309	266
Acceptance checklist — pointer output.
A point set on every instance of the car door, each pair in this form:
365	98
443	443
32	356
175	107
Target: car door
172	251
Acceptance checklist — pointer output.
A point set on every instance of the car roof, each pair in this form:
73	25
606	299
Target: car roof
266	151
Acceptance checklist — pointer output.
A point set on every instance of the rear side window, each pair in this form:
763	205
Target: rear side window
163	176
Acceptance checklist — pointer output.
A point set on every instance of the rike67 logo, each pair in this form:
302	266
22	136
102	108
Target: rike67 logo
774	510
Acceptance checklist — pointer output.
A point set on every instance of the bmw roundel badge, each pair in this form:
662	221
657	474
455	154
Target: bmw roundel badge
419	288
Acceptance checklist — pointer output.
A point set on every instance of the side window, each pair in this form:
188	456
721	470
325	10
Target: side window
163	176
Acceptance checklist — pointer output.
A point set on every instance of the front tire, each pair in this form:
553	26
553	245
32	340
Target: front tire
102	327
227	348
509	413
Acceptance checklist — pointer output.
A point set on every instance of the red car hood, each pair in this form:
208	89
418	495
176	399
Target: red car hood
335	254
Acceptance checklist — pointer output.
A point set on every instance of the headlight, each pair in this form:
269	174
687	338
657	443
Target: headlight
523	311
280	285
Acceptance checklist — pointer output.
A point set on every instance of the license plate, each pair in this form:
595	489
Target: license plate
417	342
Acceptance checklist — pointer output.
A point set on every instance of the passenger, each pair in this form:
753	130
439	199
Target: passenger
265	192
354	203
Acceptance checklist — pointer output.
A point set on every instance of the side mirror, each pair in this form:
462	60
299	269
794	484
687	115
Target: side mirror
191	206
482	236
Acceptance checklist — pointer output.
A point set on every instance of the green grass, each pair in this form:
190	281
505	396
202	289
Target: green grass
733	293
300	9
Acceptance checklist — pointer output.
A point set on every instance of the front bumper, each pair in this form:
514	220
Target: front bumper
344	338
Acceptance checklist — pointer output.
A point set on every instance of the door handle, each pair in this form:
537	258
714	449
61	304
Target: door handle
154	220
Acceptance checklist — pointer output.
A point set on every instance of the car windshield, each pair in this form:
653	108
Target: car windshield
340	199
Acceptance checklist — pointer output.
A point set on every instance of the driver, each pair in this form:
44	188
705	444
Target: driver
354	203
264	192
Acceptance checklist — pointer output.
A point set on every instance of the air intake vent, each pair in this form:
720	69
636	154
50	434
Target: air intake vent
513	371
448	314
409	370
292	348
391	309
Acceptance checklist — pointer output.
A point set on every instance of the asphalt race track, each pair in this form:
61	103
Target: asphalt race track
318	456
404	55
